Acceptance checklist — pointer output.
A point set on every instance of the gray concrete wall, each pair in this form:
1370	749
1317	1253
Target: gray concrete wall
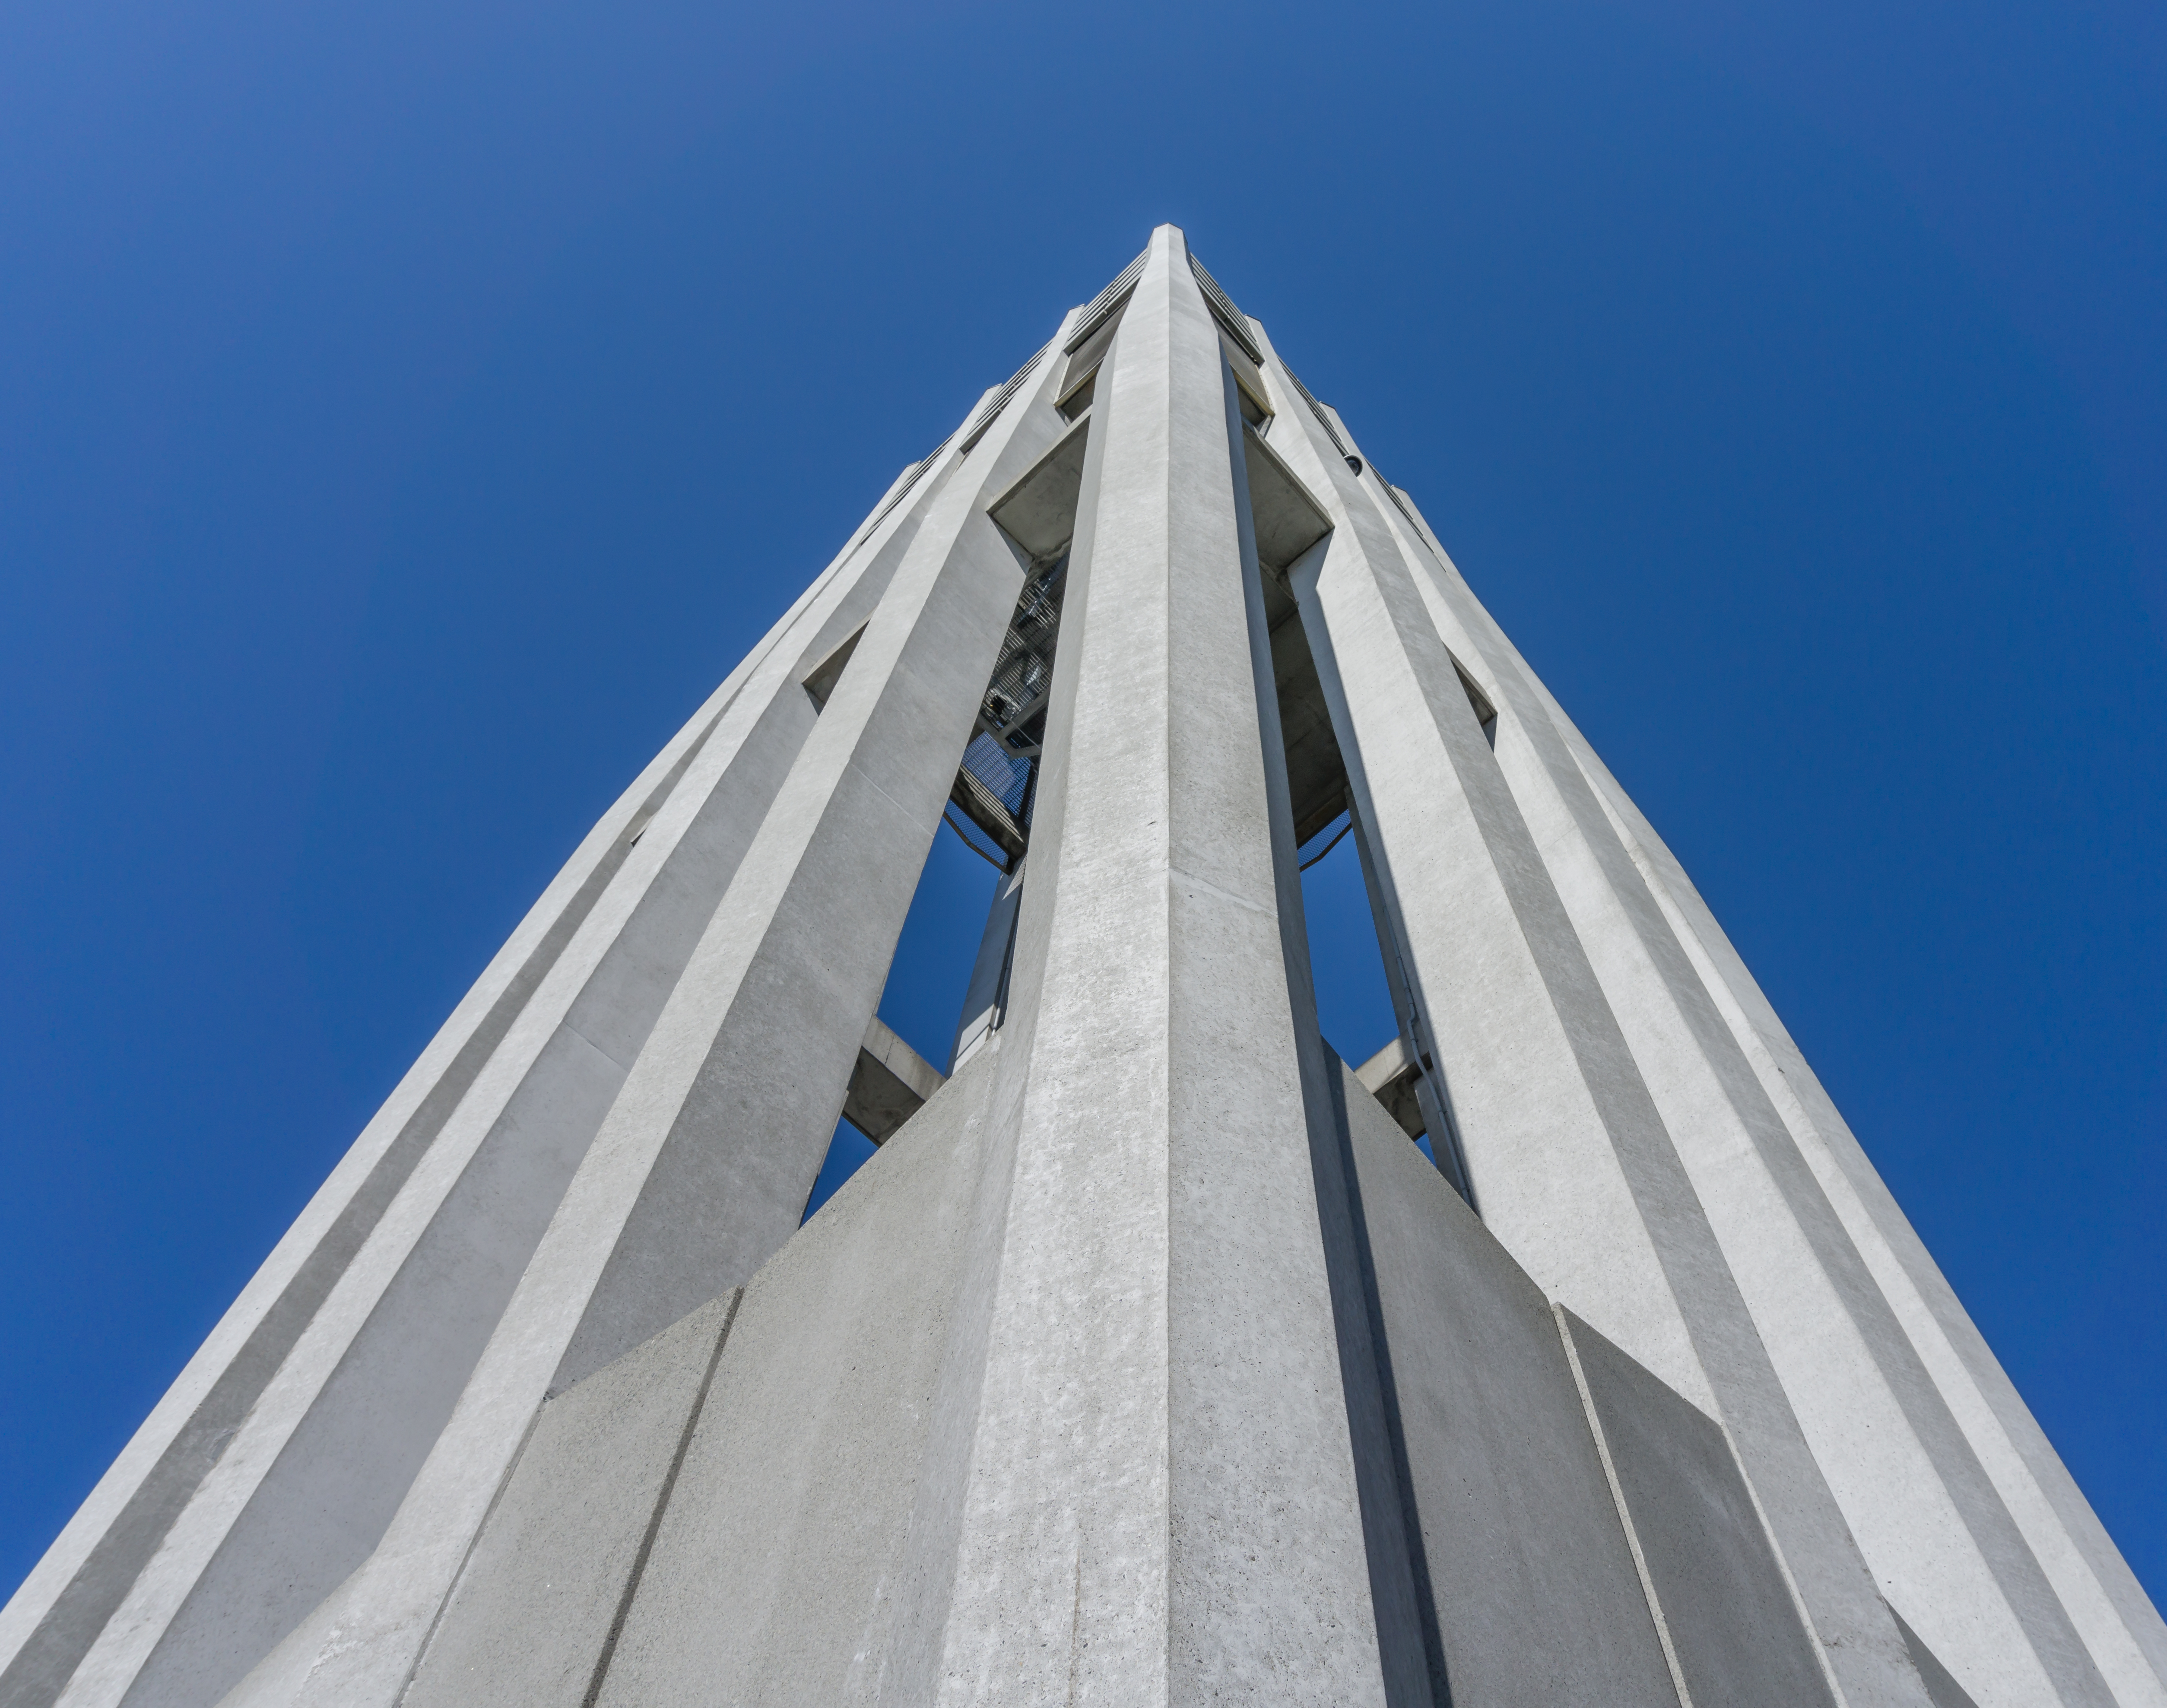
49	1622
308	1472
1530	1583
1926	1516
1951	1515
1734	1627
59	1610
1154	1497
540	1599
773	1575
2116	1621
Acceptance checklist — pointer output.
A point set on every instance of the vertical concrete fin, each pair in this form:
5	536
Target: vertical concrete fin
1978	1553
1586	1188
702	1164
1160	1336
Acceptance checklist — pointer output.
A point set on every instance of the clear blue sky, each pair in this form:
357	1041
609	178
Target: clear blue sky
409	411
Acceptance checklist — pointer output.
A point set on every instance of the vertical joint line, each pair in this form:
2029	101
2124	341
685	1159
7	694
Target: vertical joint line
466	1559
1618	1497
1791	1584
661	1505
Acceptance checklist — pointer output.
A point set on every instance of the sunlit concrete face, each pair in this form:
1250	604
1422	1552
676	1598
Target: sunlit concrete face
1148	1360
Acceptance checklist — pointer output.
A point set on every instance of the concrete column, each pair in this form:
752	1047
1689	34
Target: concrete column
1927	1518
217	1528
1977	1561
2119	1624
1571	1163
1154	1497
702	1162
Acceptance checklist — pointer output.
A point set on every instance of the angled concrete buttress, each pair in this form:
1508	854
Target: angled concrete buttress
1149	1360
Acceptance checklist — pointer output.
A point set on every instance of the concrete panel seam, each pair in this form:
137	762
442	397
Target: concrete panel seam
1190	878
661	1506
474	1541
851	764
1783	1566
1624	1515
622	1067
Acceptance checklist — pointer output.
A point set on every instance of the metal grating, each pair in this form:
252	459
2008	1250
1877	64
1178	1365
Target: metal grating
1236	322
997	784
1102	306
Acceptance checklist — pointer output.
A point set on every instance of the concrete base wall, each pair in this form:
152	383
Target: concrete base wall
769	1576
758	1467
1531	1582
1731	1619
544	1590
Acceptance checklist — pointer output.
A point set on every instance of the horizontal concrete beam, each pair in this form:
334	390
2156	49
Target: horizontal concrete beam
1393	1077
890	1084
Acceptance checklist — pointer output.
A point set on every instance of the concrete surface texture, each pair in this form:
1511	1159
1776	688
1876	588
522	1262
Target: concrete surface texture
1149	1360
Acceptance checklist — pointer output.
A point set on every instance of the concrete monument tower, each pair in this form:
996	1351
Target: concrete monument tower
1149	1360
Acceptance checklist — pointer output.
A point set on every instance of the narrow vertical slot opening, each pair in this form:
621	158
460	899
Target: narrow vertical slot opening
1360	1002
947	987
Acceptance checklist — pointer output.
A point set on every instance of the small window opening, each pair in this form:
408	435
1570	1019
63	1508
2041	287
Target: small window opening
1077	398
821	684
1486	714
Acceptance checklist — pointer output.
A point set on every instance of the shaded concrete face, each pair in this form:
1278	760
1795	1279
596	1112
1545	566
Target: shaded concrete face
1731	1620
1908	1486
388	1313
47	1626
1530	1581
1572	1165
889	1084
702	1168
1940	1474
1942	1689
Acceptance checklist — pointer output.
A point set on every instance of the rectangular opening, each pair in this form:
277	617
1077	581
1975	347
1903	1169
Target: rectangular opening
1288	520
907	1042
1248	382
1077	398
996	785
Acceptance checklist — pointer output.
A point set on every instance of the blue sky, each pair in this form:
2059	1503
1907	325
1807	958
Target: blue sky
408	412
